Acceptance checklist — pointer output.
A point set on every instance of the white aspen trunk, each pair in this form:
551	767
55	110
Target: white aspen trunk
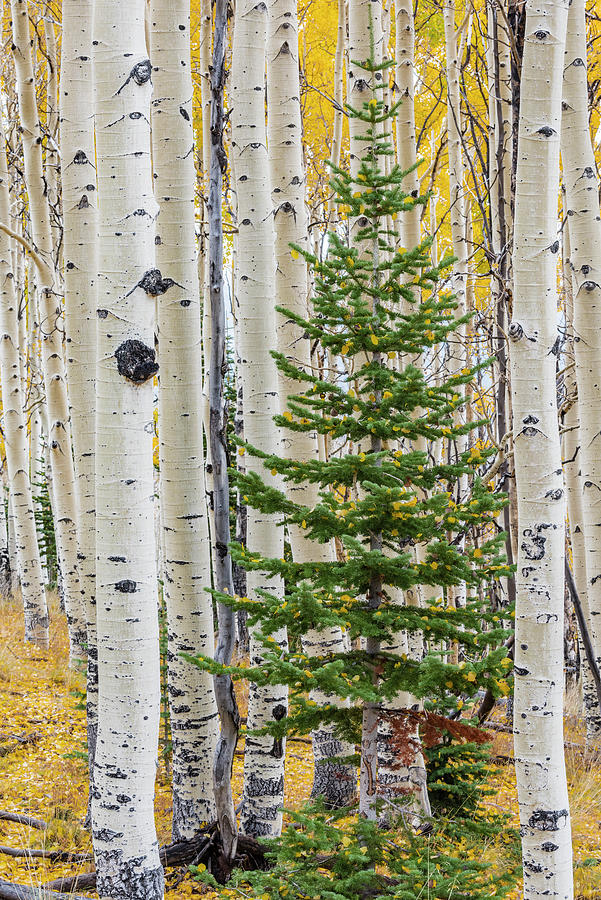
5	576
333	780
404	781
59	436
12	541
15	436
80	230
187	559
538	717
582	210
36	402
36	455
52	162
572	455
125	844
405	124
499	182
364	25
338	92
263	791
498	52
206	34
457	341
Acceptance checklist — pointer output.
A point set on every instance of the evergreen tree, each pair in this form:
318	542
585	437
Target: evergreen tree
377	311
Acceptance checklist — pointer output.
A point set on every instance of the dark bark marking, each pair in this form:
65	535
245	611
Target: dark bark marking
547	819
153	283
126	586
140	73
136	361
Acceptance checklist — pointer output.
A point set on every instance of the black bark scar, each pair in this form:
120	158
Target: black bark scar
136	361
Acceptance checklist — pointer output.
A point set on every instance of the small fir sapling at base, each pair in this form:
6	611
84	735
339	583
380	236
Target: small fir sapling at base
377	307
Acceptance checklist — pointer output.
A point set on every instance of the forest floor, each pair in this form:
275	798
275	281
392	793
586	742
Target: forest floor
43	772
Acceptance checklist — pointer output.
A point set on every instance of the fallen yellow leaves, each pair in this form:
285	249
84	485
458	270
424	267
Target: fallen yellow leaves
38	697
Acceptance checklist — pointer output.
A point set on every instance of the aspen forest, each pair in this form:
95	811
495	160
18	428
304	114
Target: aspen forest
300	450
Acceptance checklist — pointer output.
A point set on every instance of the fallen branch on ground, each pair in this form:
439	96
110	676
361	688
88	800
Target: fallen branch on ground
9	891
52	855
203	847
22	819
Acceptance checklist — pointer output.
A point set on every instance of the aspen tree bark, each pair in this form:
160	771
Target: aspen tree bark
365	42
59	435
405	123
500	123
187	562
224	581
12	543
457	343
538	718
364	26
36	434
572	455
338	91
334	781
204	164
500	132
397	781
582	210
80	230
36	453
125	844
51	162
5	577
14	429
263	791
